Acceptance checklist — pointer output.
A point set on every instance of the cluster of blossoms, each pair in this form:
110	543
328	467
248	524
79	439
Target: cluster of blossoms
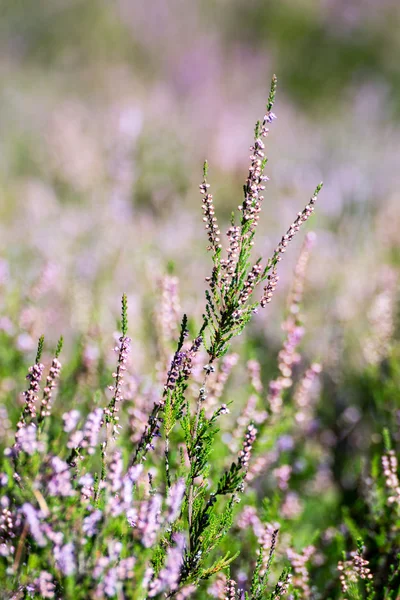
112	572
89	435
174	500
146	520
30	396
248	286
218	586
381	317
54	373
209	217
230	590
296	293
273	278
390	468
168	311
26	439
283	585
228	265
65	558
352	570
254	370
71	420
268	542
120	486
282	475
33	519
269	289
245	453
303	397
292	506
60	483
299	565
168	578
301	218
123	352
45	585
255	182
9	525
248	517
182	364
288	357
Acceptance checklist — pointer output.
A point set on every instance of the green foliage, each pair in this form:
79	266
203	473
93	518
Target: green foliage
124	315
39	349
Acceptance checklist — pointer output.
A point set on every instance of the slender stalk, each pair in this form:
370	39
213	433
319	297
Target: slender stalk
196	426
20	547
166	454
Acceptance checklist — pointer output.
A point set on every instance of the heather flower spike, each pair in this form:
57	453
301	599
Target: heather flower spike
233	281
123	350
54	373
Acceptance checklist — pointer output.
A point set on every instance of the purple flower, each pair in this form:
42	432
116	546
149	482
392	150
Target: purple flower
34	376
147	520
88	437
245	453
44	585
54	373
168	577
33	520
174	500
115	469
65	559
60	481
71	419
26	440
90	523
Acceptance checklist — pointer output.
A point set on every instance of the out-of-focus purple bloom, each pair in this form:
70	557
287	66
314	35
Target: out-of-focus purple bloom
54	373
90	523
282	476
33	520
91	429
114	473
110	583
168	577
26	440
147	519
34	376
44	585
285	443
65	559
88	437
71	419
86	483
60	481
111	411
174	500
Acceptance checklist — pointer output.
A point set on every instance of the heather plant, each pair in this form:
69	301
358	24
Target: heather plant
120	485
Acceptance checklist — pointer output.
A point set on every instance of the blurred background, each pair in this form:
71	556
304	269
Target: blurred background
107	111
